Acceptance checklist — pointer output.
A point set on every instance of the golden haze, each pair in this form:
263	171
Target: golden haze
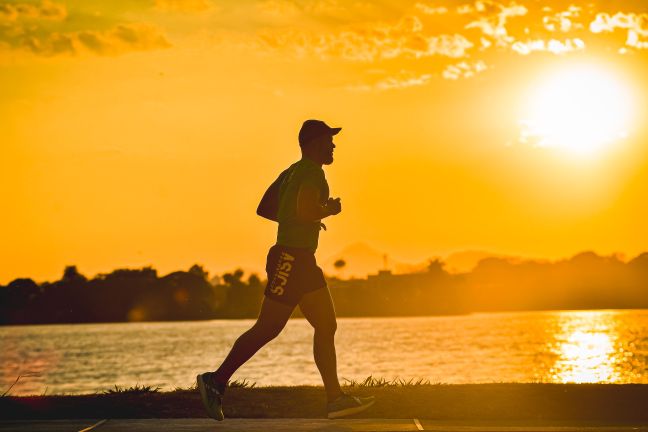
145	135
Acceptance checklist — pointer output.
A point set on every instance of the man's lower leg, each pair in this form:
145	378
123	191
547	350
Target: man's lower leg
243	349
326	361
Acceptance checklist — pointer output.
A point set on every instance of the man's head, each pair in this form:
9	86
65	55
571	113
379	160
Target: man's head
316	141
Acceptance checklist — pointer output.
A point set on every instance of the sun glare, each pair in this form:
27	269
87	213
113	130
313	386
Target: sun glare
588	350
582	111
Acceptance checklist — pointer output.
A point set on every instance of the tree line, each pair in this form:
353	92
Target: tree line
585	281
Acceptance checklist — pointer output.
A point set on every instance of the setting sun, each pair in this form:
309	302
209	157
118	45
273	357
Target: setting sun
583	111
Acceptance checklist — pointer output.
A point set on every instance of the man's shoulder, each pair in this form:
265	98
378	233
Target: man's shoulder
306	168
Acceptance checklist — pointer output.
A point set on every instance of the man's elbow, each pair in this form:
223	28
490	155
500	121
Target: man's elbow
266	213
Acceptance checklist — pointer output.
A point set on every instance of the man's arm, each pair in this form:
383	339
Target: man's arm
309	208
269	205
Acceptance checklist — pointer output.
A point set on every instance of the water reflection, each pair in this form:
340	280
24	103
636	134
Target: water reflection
586	348
544	346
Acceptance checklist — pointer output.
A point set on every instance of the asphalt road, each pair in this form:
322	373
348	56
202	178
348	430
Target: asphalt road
306	425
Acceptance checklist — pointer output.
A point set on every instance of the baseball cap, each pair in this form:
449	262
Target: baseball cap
314	128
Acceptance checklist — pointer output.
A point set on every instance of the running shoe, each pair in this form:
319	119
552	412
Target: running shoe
346	405
211	394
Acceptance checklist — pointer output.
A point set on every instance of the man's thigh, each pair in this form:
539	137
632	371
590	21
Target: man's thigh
317	307
273	314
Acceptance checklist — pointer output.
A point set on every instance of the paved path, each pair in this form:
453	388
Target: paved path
297	425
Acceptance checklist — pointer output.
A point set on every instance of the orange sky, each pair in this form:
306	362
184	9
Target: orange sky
144	133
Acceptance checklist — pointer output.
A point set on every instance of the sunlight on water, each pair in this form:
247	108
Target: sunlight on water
586	351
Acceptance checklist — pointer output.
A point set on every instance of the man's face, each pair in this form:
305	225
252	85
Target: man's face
324	149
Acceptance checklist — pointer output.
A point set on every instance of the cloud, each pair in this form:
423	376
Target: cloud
563	21
492	17
47	10
635	24
279	9
431	10
635	41
605	22
372	42
463	70
120	39
42	30
185	6
329	7
552	45
399	81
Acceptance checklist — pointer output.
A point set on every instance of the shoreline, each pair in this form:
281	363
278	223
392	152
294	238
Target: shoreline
299	316
543	402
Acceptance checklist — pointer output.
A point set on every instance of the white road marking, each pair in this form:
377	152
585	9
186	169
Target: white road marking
417	423
99	423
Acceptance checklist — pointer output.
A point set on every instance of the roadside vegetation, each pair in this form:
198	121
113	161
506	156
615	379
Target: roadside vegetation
398	398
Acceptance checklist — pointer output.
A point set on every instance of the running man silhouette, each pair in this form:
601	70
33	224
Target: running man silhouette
298	200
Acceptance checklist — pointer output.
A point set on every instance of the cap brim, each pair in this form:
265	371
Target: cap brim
334	131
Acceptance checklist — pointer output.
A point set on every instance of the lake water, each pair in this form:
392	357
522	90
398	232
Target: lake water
568	346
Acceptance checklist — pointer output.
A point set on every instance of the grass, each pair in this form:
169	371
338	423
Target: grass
396	398
136	390
370	381
28	374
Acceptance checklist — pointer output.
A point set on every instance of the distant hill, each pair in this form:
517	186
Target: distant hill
466	261
362	259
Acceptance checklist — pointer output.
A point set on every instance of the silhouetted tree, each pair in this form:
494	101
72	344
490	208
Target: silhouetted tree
243	299
584	281
233	279
71	274
339	264
199	271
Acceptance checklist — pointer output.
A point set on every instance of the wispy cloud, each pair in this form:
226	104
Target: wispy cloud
185	6
312	11
463	70
564	21
491	18
401	80
41	30
114	41
280	9
554	46
47	10
635	24
423	36
605	22
430	9
407	38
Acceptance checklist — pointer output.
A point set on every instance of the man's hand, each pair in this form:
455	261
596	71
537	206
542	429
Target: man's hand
309	207
334	206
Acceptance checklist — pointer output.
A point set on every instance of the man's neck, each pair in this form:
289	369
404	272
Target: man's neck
311	159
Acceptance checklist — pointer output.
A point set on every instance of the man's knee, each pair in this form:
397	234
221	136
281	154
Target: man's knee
267	332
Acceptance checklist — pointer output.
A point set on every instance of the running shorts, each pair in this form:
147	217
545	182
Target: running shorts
292	272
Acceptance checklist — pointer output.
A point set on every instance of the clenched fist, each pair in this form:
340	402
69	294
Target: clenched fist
334	206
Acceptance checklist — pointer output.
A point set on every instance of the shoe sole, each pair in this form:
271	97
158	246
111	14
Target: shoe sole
350	411
203	396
